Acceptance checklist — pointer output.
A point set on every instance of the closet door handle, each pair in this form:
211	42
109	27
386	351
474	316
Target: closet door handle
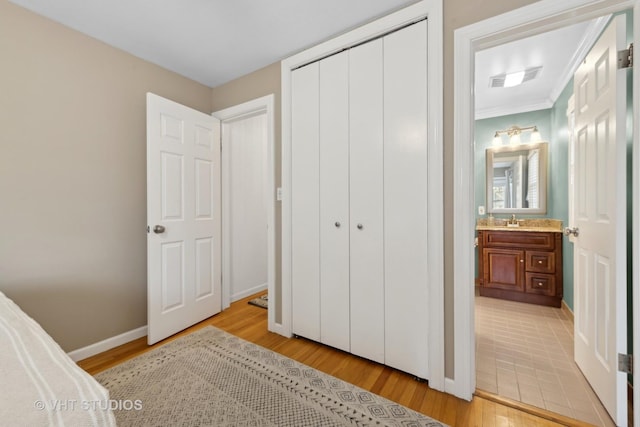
360	226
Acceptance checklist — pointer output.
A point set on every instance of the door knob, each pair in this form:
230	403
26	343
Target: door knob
569	231
158	229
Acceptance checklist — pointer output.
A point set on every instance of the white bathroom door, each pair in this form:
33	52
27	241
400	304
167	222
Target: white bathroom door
600	283
183	217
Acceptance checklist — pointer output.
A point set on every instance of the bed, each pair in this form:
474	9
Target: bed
39	384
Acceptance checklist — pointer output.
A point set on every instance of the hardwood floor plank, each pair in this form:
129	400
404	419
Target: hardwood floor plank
250	323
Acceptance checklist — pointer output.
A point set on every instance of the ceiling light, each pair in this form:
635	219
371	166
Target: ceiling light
513	79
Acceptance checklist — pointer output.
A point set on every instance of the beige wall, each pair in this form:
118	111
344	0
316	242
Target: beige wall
72	169
73	177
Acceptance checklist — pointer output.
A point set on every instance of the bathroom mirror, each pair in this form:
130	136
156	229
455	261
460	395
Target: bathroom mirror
517	178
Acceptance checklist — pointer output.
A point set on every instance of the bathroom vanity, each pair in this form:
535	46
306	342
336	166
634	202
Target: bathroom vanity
522	261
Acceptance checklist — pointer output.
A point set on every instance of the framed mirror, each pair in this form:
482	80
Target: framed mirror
517	178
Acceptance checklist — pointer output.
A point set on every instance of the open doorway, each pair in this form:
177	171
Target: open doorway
248	200
468	41
524	350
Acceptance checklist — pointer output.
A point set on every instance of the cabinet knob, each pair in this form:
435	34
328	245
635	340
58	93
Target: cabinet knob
521	260
539	262
337	224
360	226
540	284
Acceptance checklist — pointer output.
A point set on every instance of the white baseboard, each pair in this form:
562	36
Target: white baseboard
247	292
108	344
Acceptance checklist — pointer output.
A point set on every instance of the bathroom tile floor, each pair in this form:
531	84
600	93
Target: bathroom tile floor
525	352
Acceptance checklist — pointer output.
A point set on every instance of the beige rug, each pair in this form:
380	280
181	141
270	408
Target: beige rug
213	378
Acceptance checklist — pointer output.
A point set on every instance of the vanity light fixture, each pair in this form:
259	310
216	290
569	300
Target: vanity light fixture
514	134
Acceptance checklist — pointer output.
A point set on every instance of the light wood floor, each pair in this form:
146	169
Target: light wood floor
250	323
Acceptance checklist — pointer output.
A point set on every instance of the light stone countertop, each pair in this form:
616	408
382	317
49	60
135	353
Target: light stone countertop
525	224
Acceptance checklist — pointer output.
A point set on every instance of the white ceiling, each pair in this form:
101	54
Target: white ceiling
559	52
212	41
215	41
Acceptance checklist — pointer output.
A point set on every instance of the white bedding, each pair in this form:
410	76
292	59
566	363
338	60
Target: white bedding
39	384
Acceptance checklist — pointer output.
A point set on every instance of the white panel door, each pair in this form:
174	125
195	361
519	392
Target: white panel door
366	185
334	201
183	215
245	142
305	202
405	200
600	214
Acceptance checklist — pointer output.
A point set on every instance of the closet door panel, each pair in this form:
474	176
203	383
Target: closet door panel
405	200
334	201
305	202
366	184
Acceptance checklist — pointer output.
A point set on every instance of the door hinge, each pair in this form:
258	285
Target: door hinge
625	57
625	363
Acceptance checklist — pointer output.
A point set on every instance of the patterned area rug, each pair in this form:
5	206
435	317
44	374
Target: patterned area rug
261	301
213	378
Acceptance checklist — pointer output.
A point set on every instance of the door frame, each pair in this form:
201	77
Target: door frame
433	10
540	16
262	105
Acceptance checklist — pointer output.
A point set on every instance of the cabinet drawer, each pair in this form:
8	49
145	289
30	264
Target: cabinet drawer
539	283
541	262
518	239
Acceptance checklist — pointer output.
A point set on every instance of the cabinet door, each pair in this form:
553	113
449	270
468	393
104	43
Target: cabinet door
503	269
405	200
334	201
305	202
366	163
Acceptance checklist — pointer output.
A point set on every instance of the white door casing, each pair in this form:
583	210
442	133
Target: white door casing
540	16
259	106
183	216
600	285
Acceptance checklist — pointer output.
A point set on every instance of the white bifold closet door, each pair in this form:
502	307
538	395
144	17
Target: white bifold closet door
405	200
366	179
359	200
305	202
334	201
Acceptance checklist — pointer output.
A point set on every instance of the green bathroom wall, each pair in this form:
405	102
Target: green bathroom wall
559	184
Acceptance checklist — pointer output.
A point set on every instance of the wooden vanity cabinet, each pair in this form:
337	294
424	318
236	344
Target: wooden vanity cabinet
523	266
